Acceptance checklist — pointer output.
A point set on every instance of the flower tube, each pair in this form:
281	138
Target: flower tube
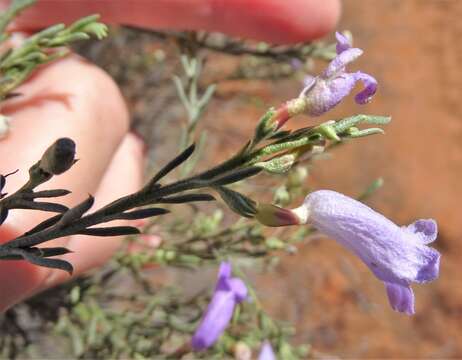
229	292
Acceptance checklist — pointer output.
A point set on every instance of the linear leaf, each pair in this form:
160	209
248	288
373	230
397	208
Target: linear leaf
77	211
46	194
236	176
180	199
40	252
173	164
111	231
345	123
43	206
142	213
44	224
53	251
45	262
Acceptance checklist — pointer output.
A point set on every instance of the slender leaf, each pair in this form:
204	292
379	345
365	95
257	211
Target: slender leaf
180	199
45	262
43	206
344	124
142	213
53	251
46	194
173	164
44	224
77	211
40	252
236	176
280	134
111	231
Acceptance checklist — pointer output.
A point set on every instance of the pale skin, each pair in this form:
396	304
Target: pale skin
65	100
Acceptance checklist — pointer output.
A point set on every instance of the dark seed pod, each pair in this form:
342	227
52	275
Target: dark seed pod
59	157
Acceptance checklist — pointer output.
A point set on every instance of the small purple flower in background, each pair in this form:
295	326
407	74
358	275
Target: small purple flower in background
324	92
397	255
266	352
229	291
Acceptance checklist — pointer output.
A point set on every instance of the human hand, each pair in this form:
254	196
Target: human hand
72	98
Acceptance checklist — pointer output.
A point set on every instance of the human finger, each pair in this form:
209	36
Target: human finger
278	21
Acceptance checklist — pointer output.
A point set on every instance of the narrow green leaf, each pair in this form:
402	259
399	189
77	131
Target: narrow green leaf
365	132
45	262
12	11
180	199
46	194
236	176
142	213
53	251
172	164
43	206
111	231
44	225
344	124
77	211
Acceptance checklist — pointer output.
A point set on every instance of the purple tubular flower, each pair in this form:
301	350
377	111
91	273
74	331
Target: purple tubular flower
266	352
228	292
342	43
401	298
327	90
396	255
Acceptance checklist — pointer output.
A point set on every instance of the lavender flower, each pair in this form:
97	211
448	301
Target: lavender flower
229	291
323	92
397	255
266	352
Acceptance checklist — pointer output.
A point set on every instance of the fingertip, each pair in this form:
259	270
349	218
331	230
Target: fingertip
325	21
274	20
